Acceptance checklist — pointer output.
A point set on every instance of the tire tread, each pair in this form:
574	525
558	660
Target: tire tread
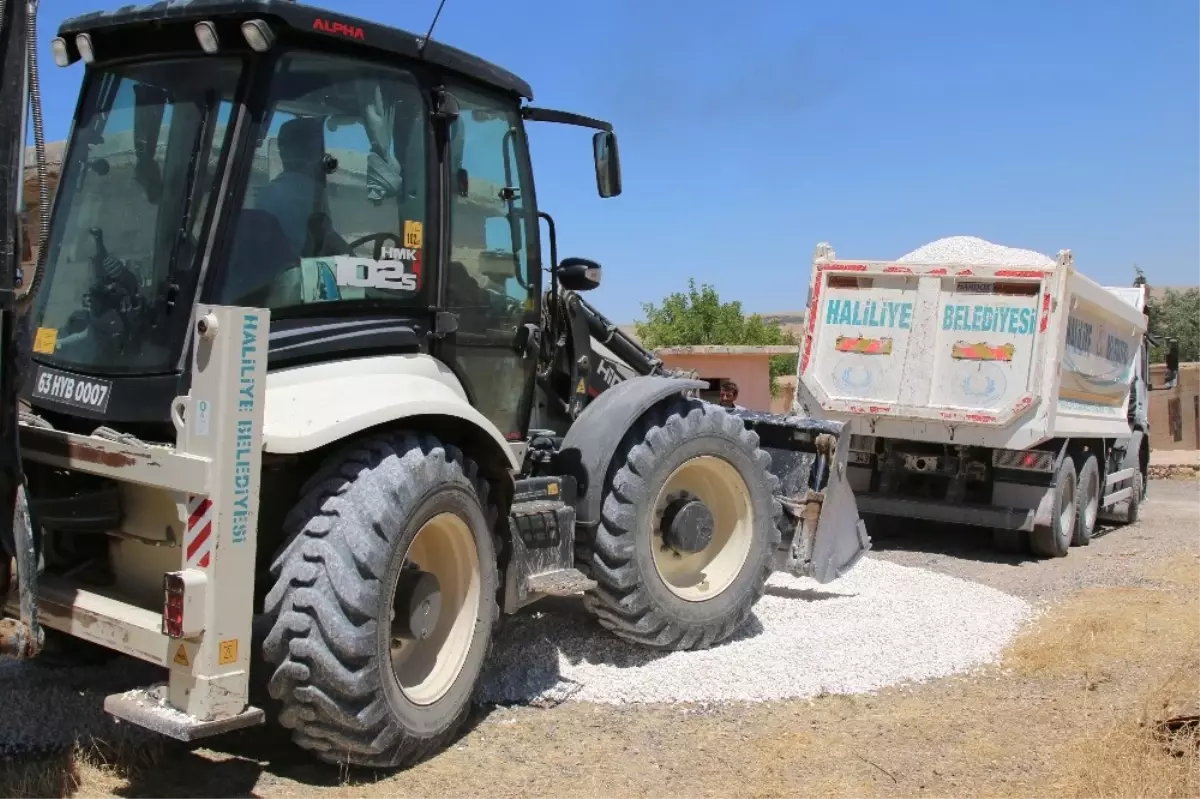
620	602
328	575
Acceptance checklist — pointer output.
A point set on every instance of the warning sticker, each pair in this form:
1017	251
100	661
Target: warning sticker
414	234
45	340
227	652
181	656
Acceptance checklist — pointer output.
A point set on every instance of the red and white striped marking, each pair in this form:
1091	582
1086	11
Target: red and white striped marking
199	540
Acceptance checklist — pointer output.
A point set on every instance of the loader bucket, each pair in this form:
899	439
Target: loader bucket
841	536
823	536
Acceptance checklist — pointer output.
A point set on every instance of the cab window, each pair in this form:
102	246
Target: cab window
335	205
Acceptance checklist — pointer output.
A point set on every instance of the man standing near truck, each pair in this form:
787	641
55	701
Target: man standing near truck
729	395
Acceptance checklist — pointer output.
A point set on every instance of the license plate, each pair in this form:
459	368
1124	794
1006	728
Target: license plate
89	393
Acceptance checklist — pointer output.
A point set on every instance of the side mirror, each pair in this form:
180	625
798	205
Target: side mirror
608	163
1173	356
578	274
1172	375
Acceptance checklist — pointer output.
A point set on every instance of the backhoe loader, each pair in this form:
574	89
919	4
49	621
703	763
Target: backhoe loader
308	407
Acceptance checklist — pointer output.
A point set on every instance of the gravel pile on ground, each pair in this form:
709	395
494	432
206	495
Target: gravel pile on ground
971	250
46	709
879	625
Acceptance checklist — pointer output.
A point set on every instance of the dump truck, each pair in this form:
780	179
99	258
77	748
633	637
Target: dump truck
1011	397
306	405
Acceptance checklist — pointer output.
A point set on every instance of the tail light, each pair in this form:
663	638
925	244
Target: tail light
183	603
1028	460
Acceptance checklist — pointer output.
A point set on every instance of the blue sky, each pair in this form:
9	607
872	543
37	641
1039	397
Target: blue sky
751	131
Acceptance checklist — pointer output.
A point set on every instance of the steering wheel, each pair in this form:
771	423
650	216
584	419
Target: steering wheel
379	239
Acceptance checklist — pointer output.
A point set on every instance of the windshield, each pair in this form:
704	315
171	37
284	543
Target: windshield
136	184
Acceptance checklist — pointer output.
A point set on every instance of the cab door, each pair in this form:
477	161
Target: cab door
492	273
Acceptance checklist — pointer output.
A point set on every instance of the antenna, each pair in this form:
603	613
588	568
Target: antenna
429	33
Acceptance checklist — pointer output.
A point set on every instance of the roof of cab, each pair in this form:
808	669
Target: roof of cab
306	19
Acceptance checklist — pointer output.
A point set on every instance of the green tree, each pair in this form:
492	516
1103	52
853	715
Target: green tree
698	316
1176	315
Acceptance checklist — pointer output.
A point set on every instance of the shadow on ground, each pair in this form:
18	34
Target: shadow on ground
963	541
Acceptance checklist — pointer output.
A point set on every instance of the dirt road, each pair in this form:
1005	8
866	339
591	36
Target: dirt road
1118	641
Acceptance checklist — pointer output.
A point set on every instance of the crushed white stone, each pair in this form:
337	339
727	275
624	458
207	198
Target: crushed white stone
879	625
974	251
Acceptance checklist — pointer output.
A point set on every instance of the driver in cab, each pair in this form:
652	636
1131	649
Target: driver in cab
298	192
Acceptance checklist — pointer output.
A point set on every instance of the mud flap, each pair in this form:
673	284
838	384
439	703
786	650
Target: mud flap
840	539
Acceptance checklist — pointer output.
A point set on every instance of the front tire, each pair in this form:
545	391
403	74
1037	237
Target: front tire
1054	539
652	588
367	670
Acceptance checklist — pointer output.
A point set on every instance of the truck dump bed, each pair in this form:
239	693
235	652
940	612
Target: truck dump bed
988	355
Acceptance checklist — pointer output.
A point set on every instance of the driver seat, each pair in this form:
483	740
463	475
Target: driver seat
261	254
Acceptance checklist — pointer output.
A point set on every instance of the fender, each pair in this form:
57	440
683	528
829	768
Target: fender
311	406
588	448
1133	451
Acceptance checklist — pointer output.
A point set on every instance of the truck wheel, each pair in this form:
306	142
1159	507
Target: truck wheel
1054	539
1088	502
1134	507
384	602
688	531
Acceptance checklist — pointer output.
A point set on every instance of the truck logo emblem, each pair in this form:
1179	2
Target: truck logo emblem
864	346
982	351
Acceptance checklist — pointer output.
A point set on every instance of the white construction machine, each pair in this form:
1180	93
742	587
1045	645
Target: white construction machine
307	405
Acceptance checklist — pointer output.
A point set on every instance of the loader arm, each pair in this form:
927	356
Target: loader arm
823	536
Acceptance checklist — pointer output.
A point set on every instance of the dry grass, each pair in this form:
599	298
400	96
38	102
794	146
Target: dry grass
1151	636
90	768
1125	756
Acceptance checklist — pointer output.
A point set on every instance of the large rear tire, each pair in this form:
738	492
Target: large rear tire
375	663
660	583
1088	502
1054	540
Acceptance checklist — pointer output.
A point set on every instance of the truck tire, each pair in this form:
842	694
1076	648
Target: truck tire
384	602
1054	539
1088	502
688	529
1134	507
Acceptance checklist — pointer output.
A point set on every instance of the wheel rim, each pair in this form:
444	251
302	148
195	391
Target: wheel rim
426	669
702	575
1066	511
1093	501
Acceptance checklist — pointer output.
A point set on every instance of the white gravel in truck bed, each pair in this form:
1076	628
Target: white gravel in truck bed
972	250
880	625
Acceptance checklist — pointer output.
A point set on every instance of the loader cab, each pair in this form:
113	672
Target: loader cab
373	191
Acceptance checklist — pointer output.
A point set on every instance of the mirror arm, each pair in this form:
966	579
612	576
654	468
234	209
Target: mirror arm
564	118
